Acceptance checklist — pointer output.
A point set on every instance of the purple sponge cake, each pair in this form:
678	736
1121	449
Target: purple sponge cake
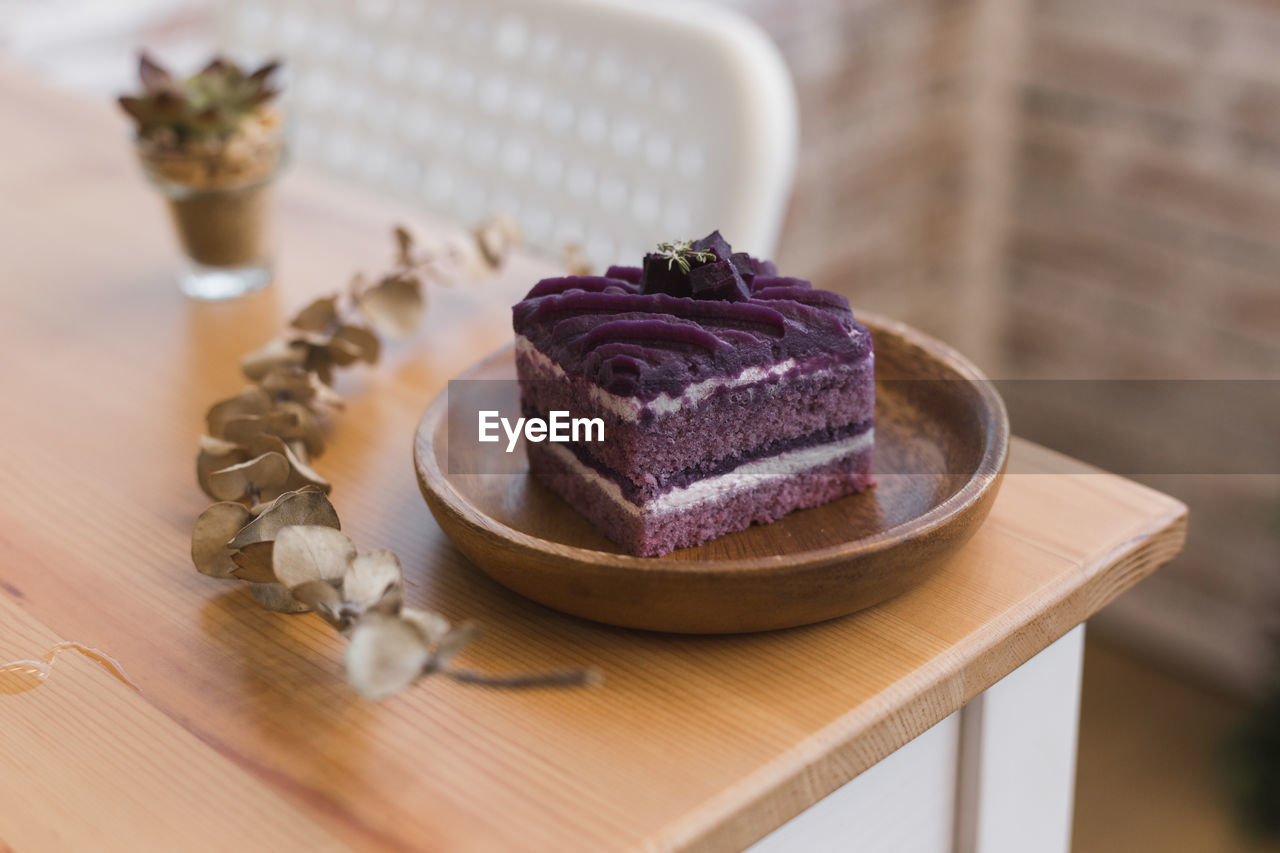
729	395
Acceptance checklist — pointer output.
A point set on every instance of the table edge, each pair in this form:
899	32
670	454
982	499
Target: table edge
841	751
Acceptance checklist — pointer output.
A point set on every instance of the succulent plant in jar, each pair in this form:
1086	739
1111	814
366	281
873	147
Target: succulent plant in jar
212	143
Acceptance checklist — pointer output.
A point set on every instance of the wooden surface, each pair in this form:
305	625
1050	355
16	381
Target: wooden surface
243	733
942	441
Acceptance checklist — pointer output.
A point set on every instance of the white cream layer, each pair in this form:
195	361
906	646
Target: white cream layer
631	408
747	476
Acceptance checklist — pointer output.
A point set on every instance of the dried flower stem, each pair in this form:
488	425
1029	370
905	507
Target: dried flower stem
275	527
560	678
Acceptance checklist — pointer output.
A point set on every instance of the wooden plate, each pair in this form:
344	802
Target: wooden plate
942	438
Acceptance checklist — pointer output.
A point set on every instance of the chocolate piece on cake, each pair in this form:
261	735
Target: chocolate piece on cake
731	396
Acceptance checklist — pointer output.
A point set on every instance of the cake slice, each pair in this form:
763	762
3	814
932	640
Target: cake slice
729	395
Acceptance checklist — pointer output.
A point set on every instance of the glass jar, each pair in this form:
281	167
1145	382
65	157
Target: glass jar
220	198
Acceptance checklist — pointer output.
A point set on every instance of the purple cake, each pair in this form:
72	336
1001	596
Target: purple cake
729	395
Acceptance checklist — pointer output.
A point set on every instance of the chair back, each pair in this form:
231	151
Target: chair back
609	125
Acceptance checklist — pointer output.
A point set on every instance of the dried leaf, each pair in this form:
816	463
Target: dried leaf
275	353
213	531
320	316
268	471
339	353
215	454
283	422
462	253
252	401
350	344
451	644
324	394
324	599
218	446
290	384
275	597
301	474
307	552
300	507
313	340
356	287
496	238
253	562
265	442
303	426
319	359
386	655
404	246
287	382
432	626
289	421
374	583
252	547
394	305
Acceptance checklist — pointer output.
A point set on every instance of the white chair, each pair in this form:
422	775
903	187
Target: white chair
605	124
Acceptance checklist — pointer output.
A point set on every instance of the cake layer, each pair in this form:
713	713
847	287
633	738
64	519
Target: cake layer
712	506
733	417
768	457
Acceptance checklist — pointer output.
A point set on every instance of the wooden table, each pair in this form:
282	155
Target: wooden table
244	735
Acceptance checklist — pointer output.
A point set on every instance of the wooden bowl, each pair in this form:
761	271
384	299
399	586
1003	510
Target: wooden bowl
942	438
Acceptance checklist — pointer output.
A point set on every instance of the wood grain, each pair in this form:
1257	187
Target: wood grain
691	743
79	754
942	440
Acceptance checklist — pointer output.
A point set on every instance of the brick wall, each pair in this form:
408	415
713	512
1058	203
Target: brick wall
1149	189
1144	241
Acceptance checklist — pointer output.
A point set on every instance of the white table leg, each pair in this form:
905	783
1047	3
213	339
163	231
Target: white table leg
904	803
995	777
1018	756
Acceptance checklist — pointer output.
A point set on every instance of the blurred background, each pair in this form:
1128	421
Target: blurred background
1063	189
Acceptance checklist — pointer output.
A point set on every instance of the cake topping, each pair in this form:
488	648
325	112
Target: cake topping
695	311
677	269
667	270
720	280
713	244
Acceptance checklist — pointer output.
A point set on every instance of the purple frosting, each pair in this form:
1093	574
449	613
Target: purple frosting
608	330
